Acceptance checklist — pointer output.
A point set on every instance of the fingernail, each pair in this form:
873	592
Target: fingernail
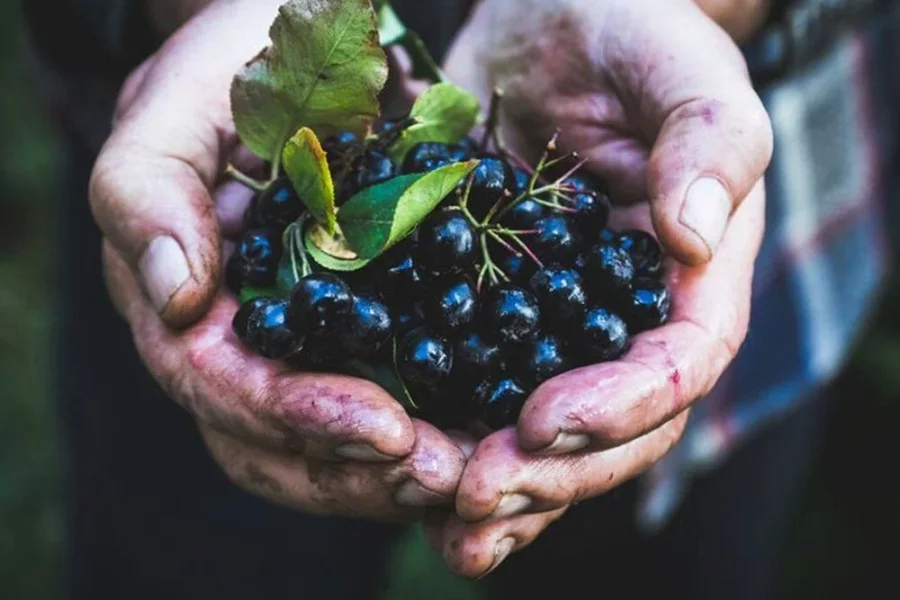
706	209
362	452
164	269
511	504
412	493
567	442
501	551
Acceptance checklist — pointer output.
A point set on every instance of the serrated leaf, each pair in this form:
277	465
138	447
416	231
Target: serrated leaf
444	113
331	252
323	70
390	28
306	164
250	293
380	216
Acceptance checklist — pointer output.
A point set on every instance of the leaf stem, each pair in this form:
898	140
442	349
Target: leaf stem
244	179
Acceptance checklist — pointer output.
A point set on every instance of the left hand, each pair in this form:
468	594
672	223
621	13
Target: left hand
657	97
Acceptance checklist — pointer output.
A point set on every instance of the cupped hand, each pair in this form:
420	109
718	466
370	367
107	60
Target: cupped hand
326	444
657	98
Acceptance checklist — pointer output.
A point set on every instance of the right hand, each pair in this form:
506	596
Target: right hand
324	444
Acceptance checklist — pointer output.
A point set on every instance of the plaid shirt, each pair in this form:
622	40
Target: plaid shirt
823	260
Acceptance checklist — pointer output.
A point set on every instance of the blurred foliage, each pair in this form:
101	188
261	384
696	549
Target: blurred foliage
842	545
30	529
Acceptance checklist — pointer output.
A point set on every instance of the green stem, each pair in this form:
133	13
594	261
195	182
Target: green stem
246	180
423	63
487	259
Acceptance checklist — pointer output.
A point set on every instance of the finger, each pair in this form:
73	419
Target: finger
150	187
396	491
475	550
502	480
232	201
666	369
226	386
713	136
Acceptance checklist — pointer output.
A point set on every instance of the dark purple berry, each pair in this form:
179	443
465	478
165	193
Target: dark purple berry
370	169
608	271
500	402
525	215
491	179
446	243
407	320
644	250
476	357
319	303
241	320
650	306
396	271
523	180
367	328
255	260
556	240
511	314
591	213
604	336
428	156
450	304
542	359
561	295
269	333
518	268
275	207
424	359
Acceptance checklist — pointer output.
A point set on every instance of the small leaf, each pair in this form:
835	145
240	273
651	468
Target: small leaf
331	252
307	165
382	374
324	70
444	113
294	264
390	28
407	399
249	293
380	216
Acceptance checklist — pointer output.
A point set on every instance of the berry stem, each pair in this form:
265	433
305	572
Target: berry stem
527	250
244	179
490	128
504	243
487	259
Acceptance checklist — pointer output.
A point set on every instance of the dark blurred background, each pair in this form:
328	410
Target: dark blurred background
844	542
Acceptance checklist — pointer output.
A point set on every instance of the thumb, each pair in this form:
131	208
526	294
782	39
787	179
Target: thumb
150	189
714	138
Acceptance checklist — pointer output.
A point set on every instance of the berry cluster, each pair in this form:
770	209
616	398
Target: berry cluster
514	279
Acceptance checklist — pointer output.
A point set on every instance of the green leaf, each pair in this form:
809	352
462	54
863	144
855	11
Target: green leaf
307	165
331	251
380	216
323	70
249	293
382	374
294	263
444	113
391	29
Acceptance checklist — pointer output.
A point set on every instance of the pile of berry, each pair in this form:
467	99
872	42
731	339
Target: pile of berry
513	280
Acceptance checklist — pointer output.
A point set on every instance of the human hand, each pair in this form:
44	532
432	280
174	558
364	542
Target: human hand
320	443
657	98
